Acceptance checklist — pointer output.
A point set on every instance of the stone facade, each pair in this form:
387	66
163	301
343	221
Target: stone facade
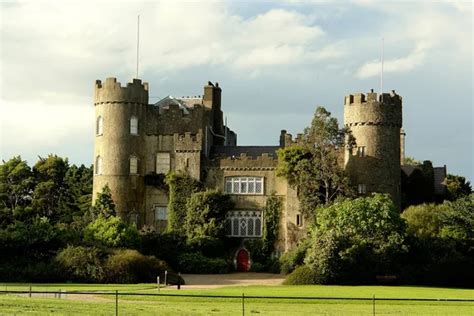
135	139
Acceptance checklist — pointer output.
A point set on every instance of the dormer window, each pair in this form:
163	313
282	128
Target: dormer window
99	130
134	125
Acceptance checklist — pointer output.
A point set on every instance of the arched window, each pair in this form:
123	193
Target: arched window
99	129
134	125
98	165
133	165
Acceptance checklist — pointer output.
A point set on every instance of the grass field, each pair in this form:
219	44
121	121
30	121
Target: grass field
147	305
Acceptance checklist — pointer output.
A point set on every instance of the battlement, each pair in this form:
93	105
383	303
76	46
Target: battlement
112	91
243	162
188	142
372	97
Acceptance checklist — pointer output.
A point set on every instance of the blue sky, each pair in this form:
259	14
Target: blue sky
275	61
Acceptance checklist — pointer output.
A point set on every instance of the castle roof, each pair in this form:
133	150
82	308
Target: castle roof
250	151
184	103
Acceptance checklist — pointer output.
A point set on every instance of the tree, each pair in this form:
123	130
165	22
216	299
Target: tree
51	195
104	205
313	166
355	240
205	216
16	187
424	220
456	187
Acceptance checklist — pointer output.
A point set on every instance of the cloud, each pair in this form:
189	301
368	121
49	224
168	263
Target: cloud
403	64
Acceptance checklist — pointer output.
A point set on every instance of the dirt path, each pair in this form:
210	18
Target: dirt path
212	281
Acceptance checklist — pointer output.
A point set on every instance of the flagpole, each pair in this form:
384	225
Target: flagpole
381	71
138	42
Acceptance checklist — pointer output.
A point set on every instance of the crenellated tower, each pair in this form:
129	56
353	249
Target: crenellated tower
119	151
373	164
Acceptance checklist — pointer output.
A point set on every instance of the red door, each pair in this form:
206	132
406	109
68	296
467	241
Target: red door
243	260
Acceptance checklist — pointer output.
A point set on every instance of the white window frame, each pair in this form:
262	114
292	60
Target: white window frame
98	165
134	125
99	128
238	223
361	188
244	185
163	162
133	162
361	151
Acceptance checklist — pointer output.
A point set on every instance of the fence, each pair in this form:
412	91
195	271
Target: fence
448	305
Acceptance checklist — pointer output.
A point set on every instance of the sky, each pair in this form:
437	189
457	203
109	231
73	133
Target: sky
276	61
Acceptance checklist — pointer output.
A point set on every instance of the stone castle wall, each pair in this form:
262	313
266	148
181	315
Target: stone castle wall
116	105
375	123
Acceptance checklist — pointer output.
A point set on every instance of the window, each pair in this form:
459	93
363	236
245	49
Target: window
162	163
299	220
243	224
133	219
361	151
161	218
133	165
244	185
361	188
161	213
99	129
98	165
134	125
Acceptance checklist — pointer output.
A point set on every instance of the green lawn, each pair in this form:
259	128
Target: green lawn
145	305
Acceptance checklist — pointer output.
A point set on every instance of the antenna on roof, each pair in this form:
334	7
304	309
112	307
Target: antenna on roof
138	42
381	72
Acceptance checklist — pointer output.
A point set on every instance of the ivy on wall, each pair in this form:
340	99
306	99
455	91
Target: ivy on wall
271	225
181	186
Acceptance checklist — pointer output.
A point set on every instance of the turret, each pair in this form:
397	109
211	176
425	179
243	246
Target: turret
373	165
119	151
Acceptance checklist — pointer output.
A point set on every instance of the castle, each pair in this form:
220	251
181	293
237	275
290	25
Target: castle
135	139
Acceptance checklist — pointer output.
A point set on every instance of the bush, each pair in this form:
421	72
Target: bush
111	232
20	271
301	275
257	267
82	264
165	246
209	246
198	263
294	258
130	266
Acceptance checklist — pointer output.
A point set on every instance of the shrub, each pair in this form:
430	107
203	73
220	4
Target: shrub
257	267
111	232
165	246
130	266
198	263
301	275
21	271
208	246
206	214
294	258
82	264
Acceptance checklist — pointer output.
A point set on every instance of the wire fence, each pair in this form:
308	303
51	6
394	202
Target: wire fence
125	302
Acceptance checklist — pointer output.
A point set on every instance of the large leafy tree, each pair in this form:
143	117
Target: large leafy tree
457	187
355	240
314	165
16	187
51	197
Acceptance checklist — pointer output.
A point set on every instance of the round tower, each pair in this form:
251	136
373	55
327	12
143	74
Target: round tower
119	151
373	163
